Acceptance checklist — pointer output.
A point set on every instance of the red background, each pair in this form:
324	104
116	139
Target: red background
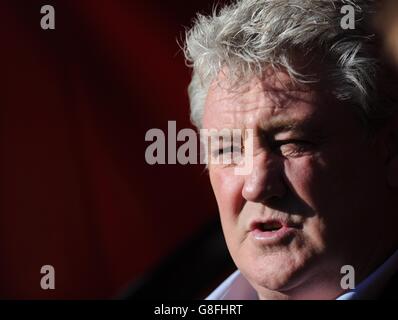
76	102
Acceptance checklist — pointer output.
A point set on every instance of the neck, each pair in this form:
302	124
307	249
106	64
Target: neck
318	290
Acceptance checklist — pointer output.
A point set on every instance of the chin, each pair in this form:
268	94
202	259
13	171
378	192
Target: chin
276	271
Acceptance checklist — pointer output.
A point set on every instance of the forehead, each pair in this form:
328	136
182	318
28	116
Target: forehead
267	102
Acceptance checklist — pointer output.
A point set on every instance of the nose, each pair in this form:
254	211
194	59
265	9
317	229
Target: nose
265	181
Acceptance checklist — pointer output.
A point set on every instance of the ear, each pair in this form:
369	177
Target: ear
391	149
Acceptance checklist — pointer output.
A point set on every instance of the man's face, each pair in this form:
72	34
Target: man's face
310	204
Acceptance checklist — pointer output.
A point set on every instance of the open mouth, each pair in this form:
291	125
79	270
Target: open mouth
271	226
273	231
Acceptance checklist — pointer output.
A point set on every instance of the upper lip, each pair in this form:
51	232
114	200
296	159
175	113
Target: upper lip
257	223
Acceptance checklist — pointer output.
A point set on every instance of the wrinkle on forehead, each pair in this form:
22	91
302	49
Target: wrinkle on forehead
268	96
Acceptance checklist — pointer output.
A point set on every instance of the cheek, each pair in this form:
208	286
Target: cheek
329	184
227	189
324	186
301	176
309	181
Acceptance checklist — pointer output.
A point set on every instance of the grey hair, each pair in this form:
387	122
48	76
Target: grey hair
247	36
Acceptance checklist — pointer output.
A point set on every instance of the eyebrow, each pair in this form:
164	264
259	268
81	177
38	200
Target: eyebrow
278	124
273	126
225	133
283	124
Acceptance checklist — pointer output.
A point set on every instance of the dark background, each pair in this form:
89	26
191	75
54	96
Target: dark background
76	102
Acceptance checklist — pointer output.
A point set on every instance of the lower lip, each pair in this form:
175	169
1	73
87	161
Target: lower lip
270	237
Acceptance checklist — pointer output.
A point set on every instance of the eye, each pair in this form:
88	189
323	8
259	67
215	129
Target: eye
292	147
230	155
226	150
